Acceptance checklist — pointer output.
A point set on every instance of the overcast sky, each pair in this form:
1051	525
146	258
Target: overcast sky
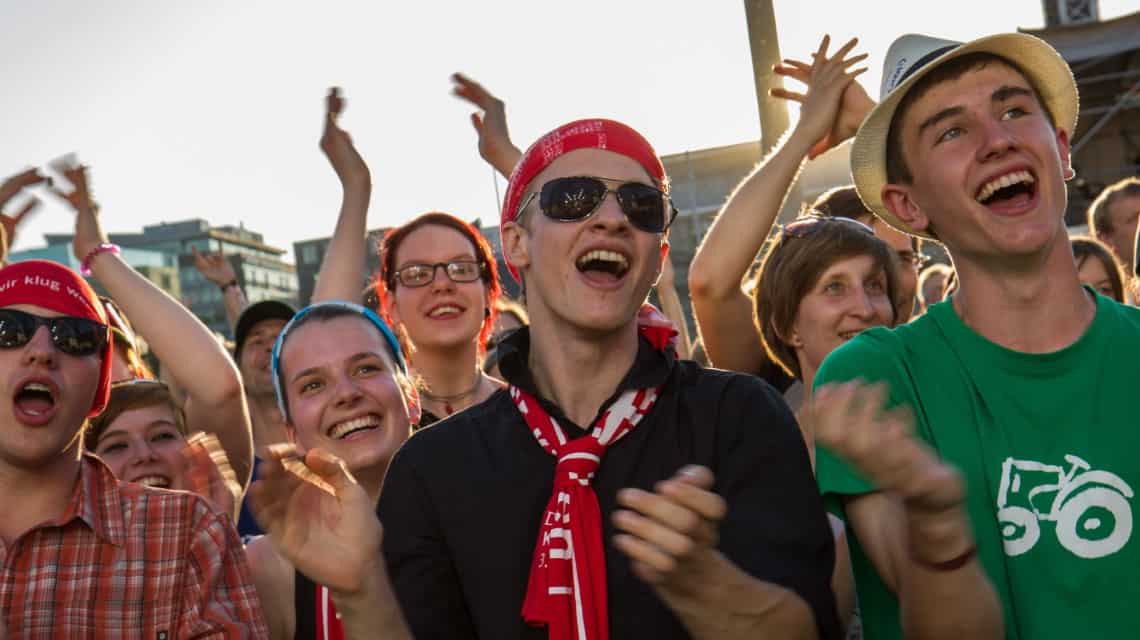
213	109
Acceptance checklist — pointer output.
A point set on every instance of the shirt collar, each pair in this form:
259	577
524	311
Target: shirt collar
97	501
650	369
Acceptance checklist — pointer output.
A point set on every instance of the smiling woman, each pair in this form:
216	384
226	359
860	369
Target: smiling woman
141	435
437	287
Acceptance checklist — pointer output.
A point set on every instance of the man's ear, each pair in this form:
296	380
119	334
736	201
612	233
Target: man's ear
898	200
1065	151
516	244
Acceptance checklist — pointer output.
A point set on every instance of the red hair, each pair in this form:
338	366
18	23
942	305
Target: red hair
385	282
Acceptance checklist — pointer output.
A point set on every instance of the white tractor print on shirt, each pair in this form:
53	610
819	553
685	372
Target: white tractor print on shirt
1090	509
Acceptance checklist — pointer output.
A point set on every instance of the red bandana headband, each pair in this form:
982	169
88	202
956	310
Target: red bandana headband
595	133
53	286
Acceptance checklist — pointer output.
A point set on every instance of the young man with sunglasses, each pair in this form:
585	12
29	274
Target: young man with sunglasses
82	554
1015	381
612	491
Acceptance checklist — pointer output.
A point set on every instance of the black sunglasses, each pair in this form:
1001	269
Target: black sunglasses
578	197
71	335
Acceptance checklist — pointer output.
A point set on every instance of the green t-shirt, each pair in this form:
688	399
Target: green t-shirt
1049	445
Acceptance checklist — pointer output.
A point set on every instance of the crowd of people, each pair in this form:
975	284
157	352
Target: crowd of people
856	444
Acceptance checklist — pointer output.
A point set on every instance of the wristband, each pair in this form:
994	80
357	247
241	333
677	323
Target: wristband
103	247
952	564
231	283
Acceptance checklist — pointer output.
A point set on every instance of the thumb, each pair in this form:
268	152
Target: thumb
477	122
696	475
197	254
329	468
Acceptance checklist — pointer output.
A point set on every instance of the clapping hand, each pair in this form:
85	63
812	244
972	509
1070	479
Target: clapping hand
214	267
9	189
88	232
834	104
208	473
490	123
671	534
850	420
318	517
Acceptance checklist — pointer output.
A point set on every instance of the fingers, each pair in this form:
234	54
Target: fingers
28	207
472	91
334	103
821	52
845	49
329	468
17	183
848	62
784	94
477	122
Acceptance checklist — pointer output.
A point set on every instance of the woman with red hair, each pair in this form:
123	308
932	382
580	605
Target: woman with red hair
437	287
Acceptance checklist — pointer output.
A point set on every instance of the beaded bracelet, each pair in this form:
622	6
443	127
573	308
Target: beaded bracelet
103	247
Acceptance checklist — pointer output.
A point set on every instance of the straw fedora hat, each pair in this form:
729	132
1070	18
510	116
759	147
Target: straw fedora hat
913	56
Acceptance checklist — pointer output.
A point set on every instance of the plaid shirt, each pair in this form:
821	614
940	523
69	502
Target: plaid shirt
126	561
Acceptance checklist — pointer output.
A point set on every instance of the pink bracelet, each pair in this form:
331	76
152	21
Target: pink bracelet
104	247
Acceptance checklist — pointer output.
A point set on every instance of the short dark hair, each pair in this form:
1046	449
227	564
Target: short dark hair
129	395
790	269
1100	223
1085	247
897	170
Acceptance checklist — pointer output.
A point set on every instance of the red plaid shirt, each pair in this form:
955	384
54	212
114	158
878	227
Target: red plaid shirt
126	561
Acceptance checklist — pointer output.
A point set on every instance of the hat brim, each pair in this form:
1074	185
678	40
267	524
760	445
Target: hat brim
1045	69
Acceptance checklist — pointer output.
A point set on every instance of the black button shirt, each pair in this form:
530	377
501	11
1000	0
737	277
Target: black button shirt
463	499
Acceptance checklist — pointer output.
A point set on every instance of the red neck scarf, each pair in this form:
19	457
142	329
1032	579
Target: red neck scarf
566	591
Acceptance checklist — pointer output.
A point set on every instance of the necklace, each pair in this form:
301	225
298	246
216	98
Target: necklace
447	400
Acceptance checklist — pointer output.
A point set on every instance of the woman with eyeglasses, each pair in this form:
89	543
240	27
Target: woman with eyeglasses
831	109
438	285
132	444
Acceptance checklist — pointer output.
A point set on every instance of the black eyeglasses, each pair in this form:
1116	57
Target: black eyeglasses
807	225
578	197
419	275
71	335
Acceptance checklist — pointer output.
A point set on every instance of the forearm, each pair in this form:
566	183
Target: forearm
671	307
951	604
234	299
504	160
180	341
342	271
743	225
373	611
736	605
729	335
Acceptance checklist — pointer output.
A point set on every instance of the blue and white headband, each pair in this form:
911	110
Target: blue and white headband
364	312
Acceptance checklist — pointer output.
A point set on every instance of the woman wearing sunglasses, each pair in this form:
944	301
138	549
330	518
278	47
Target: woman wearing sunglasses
830	111
438	285
214	399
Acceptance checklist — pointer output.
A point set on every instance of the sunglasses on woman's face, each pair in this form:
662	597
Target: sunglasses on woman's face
807	225
71	335
578	197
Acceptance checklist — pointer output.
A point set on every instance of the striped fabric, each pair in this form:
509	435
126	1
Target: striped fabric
126	561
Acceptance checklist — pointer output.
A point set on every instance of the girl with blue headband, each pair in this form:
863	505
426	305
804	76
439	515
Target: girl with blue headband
342	386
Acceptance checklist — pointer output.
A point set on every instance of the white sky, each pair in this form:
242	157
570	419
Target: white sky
213	109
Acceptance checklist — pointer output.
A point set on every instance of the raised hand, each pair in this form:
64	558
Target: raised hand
318	517
337	146
849	419
833	105
208	473
670	535
88	233
214	267
490	123
9	189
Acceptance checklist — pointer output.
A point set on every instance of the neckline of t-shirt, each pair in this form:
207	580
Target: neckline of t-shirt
1037	364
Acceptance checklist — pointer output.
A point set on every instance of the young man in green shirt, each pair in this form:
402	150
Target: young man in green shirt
1019	382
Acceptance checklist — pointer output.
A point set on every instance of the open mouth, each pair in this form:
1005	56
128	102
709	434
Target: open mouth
162	482
847	335
601	263
35	399
445	311
348	428
1013	188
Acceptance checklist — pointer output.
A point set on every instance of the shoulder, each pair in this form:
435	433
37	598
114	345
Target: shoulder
735	400
458	427
878	353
